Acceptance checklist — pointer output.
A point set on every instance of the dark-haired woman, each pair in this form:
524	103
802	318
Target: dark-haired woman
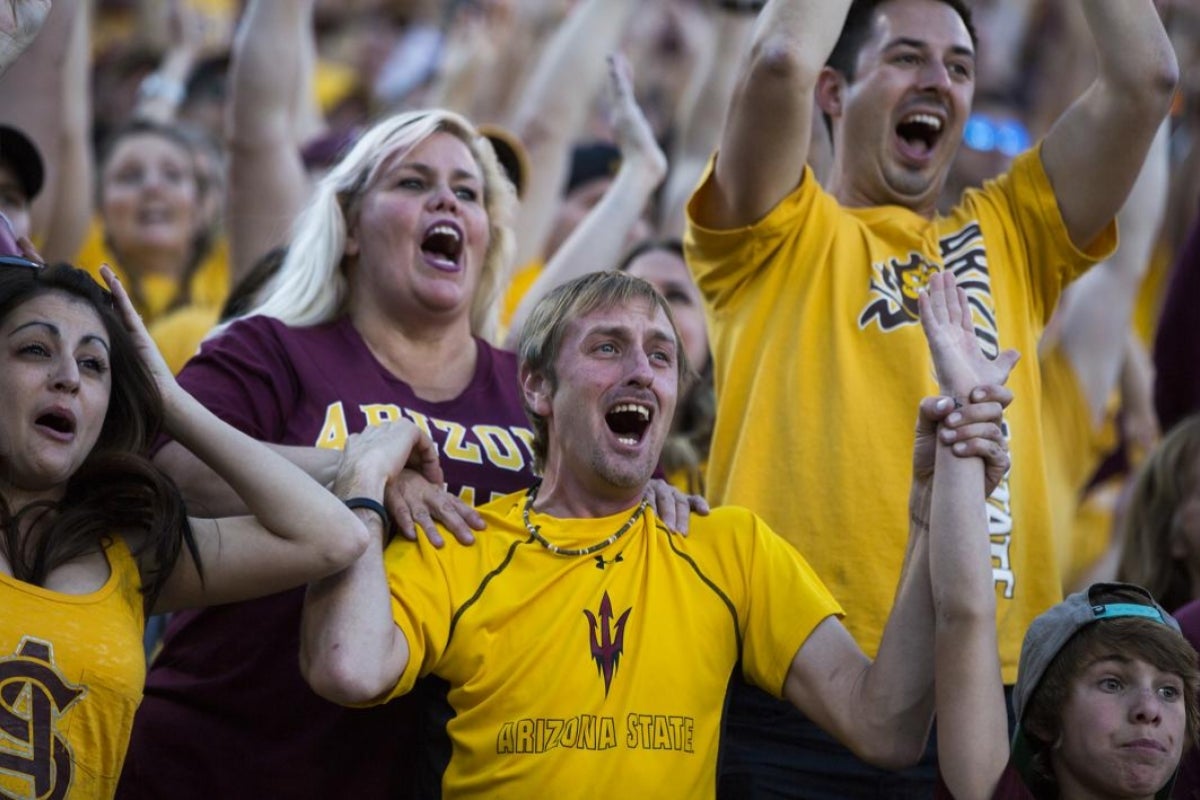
94	537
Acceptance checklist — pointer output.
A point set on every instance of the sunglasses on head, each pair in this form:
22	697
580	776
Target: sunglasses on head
18	261
986	134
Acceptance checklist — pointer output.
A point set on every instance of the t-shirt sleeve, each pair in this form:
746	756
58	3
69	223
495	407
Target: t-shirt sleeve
245	377
725	262
420	606
786	602
1054	259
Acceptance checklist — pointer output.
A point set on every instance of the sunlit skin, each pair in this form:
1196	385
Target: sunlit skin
1123	730
919	60
575	207
14	204
609	357
669	274
436	186
150	203
55	384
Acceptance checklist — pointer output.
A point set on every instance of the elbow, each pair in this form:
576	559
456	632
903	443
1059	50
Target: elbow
899	753
340	678
776	59
346	547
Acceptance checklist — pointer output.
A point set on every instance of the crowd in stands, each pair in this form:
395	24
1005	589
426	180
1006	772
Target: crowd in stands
511	398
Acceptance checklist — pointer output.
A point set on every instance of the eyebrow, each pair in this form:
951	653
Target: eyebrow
54	329
425	169
907	41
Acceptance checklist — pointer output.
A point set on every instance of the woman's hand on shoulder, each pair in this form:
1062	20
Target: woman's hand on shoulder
415	503
672	506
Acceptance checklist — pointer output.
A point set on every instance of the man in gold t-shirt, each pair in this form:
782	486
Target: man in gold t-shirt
811	296
586	648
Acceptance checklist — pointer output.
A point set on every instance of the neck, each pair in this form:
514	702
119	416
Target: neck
16	498
168	263
437	362
561	497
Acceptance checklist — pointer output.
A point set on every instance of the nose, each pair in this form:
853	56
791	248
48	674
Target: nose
1147	706
935	75
641	373
443	199
65	377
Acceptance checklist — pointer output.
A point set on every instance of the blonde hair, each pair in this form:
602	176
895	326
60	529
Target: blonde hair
311	287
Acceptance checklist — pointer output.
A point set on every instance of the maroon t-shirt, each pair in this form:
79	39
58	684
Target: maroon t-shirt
226	713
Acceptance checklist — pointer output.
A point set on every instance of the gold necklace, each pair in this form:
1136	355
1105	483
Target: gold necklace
536	533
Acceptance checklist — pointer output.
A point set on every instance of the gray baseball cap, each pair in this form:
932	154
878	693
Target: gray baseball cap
1050	632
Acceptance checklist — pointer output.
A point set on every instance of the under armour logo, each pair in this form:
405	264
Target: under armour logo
33	696
601	563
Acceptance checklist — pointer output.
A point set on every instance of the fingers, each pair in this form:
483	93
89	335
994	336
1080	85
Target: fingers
29	251
992	393
418	507
698	504
931	411
424	458
683	512
671	506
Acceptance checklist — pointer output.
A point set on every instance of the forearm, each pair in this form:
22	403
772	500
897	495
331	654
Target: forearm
598	242
267	183
553	109
893	703
72	197
351	650
210	495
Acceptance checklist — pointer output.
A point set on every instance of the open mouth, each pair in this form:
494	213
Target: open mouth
629	421
444	243
920	132
57	422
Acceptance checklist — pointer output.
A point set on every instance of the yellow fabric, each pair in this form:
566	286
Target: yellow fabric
177	331
518	287
541	707
1074	448
820	364
1150	293
71	678
333	83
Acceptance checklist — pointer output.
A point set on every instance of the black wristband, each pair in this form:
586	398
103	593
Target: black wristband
741	6
372	505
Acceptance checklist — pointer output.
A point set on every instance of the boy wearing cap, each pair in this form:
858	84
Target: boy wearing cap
1106	684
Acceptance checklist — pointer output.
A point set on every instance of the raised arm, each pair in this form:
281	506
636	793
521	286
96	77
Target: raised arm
1113	122
882	710
599	241
271	68
553	109
702	112
767	129
971	714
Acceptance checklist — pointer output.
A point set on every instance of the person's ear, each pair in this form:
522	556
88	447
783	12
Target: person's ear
536	391
831	91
